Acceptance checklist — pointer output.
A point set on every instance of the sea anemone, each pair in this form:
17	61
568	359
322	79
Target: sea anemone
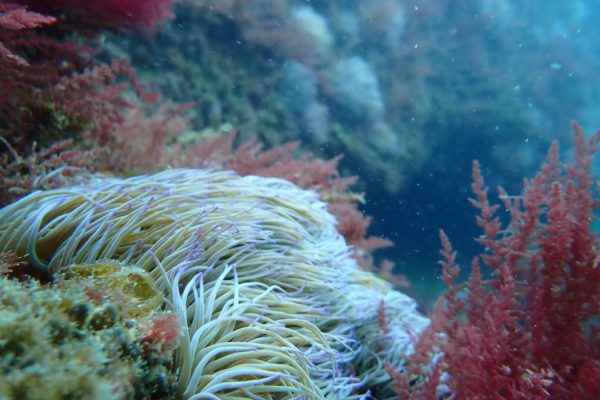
271	303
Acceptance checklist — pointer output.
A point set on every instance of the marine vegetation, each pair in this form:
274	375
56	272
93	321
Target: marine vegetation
527	328
270	302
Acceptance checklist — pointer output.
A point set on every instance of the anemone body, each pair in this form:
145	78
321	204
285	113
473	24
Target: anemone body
271	303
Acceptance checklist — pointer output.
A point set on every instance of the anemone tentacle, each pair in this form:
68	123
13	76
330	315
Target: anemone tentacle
271	303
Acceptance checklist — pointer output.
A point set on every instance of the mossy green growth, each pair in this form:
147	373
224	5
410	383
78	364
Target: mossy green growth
75	339
133	285
228	82
51	119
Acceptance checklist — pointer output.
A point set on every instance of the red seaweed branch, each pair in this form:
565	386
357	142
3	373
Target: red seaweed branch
527	326
116	14
59	107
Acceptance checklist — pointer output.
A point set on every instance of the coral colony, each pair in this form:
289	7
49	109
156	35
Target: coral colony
141	260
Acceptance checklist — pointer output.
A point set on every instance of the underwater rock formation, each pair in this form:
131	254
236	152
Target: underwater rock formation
353	84
299	91
270	301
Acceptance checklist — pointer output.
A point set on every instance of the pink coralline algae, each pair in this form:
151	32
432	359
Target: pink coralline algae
162	331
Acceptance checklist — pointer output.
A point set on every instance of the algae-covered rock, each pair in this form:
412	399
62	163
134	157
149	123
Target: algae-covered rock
78	338
131	284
